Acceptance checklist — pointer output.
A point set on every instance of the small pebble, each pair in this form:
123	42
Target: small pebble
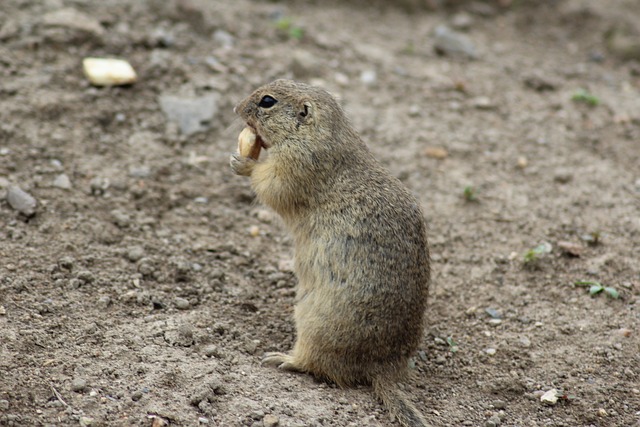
182	303
525	342
21	201
285	265
4	404
210	351
624	332
104	301
500	404
602	412
461	21
270	420
368	77
491	351
495	322
3	311
452	43
483	103
62	181
254	231
436	153
494	421
86	421
495	314
135	253
522	162
79	385
550	397
137	395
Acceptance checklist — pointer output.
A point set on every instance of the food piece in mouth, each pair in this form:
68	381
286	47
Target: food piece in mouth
249	144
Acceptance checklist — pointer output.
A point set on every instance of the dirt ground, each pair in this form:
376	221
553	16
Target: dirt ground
149	282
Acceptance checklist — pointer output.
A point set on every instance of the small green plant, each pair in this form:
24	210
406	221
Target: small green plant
469	194
453	346
592	238
585	97
533	254
596	288
286	26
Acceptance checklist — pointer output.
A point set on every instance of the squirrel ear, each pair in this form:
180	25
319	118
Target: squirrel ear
305	113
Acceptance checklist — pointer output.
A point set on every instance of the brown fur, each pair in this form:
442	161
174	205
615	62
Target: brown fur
361	259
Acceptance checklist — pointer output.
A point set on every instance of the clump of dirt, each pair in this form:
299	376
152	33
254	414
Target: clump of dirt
147	283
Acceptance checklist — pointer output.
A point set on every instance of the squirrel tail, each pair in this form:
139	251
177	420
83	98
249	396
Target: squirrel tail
398	404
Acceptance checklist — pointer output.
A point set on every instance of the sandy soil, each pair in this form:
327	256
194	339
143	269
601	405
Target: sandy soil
146	287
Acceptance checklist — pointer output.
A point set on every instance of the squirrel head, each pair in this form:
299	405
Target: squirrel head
285	114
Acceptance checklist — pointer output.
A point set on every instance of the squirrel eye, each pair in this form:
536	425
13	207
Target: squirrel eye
267	102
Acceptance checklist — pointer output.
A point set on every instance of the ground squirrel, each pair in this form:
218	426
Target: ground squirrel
361	254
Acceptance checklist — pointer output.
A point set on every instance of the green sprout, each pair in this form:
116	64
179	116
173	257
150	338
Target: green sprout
596	288
533	254
585	97
592	238
285	25
469	194
453	346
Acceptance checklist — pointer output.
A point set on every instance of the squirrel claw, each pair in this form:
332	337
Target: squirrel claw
241	165
281	360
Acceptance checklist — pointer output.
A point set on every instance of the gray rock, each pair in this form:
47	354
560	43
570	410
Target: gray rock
135	253
182	303
211	351
500	404
494	421
21	201
99	185
461	21
270	420
223	38
451	43
120	218
73	19
104	301
368	77
4	405
192	115
62	181
79	385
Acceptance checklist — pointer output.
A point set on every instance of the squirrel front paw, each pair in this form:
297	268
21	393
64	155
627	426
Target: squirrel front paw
241	165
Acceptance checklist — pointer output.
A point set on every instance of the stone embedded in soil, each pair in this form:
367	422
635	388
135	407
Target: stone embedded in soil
550	397
570	248
4	404
79	385
192	115
73	19
62	181
451	43
495	314
135	253
270	420
87	421
493	421
182	303
368	77
21	201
